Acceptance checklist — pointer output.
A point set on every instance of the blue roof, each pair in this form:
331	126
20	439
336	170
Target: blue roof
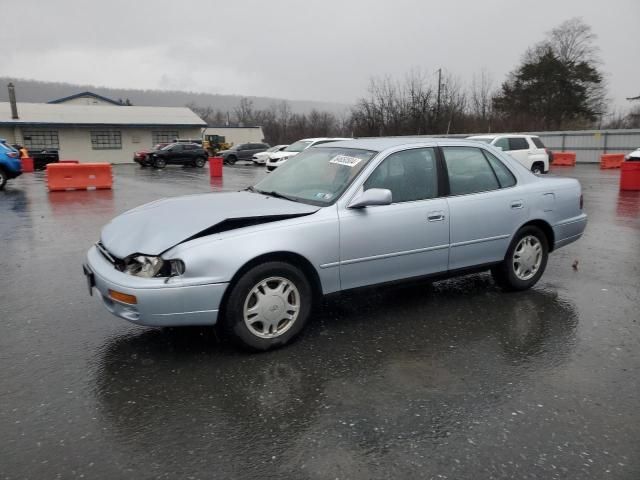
86	94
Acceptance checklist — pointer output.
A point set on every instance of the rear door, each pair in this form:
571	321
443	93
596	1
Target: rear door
408	238
485	206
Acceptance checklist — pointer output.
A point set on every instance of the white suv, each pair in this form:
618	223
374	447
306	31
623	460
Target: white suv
526	149
278	158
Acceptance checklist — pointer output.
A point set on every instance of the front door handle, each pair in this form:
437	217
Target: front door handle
517	204
435	217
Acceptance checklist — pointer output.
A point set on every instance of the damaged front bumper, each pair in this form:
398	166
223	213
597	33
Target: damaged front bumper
158	302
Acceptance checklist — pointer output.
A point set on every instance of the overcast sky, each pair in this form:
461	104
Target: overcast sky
316	50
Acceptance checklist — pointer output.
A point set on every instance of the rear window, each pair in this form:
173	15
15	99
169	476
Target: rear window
537	142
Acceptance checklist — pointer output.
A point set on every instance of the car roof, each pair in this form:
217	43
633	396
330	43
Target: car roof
497	135
383	143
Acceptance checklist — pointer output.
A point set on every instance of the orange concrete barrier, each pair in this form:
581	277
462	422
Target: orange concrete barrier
84	176
611	160
564	159
27	164
630	176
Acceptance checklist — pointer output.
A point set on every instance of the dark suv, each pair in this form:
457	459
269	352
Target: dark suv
179	154
242	151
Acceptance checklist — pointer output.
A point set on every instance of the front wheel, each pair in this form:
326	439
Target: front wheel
159	163
3	179
525	260
199	162
268	306
231	159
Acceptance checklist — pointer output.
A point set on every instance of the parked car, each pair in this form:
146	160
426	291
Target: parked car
10	165
242	151
527	149
278	158
262	157
343	215
633	156
142	156
41	157
178	154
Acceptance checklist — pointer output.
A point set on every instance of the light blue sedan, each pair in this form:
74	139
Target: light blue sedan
344	215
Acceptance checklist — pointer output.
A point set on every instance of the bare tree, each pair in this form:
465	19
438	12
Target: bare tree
481	99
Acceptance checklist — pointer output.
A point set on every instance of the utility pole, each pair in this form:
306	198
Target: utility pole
438	100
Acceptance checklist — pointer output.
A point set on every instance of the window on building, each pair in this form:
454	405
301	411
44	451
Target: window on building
41	139
164	136
106	140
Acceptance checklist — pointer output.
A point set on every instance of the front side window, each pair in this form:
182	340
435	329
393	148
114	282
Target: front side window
318	176
410	175
518	143
502	143
41	139
106	140
468	171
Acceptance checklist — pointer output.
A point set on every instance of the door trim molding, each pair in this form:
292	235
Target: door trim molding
385	255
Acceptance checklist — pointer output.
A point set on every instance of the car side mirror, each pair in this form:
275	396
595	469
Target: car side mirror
372	197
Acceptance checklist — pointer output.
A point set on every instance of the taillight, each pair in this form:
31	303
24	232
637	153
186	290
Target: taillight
581	201
12	154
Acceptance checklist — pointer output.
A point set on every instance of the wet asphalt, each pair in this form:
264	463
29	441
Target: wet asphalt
450	380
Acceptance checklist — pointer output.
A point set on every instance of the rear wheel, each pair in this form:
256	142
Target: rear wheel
159	163
537	168
3	179
199	162
525	260
268	306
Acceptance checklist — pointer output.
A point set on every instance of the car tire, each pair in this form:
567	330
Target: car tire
525	261
159	163
268	306
3	179
537	168
231	159
199	162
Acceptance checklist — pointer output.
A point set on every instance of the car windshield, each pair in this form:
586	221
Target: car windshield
298	146
317	176
167	147
274	149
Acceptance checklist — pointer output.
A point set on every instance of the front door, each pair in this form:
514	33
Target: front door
408	238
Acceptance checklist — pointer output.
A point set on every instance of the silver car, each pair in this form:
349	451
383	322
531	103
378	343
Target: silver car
344	215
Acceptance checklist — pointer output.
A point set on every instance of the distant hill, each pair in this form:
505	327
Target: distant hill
37	92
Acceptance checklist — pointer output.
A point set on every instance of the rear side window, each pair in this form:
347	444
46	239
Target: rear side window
518	143
505	177
537	142
468	171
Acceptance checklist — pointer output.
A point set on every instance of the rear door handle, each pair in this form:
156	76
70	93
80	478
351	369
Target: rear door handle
435	217
517	204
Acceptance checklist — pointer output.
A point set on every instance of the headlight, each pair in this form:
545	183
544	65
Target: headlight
149	267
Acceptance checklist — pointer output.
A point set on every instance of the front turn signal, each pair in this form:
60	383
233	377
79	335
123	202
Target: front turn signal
123	297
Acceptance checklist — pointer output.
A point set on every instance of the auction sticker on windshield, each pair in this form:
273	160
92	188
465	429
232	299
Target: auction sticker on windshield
345	160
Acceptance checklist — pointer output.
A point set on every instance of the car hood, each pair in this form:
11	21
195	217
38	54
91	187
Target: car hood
153	228
279	155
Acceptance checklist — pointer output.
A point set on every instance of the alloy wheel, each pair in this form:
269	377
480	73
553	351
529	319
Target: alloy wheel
527	257
271	307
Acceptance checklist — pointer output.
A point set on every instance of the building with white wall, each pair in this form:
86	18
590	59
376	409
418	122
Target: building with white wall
236	135
88	131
